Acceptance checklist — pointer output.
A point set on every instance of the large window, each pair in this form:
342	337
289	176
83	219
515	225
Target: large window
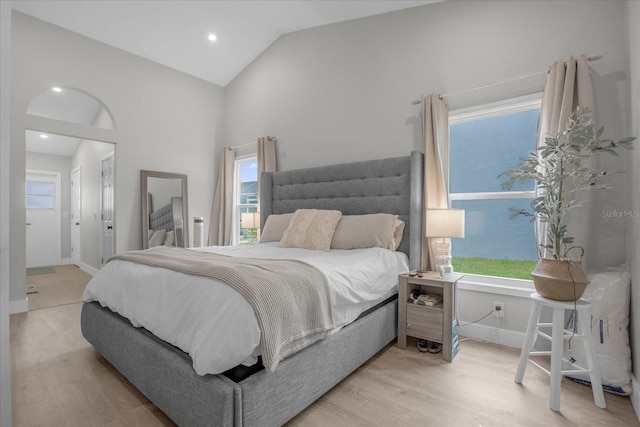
246	200
484	142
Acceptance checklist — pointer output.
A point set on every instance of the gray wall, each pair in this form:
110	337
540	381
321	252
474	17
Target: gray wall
343	92
165	121
632	13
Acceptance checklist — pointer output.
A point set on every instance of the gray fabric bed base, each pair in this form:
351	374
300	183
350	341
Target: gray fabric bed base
167	378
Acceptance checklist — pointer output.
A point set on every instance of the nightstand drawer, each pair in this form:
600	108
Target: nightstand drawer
424	322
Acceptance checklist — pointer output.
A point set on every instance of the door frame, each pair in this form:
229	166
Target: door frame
57	201
111	155
79	169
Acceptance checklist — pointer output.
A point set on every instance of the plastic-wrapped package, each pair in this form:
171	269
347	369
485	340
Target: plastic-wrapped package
609	293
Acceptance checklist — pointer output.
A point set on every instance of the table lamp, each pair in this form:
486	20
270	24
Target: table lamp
445	224
251	221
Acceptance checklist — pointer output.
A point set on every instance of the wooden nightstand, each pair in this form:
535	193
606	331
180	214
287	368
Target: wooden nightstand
433	323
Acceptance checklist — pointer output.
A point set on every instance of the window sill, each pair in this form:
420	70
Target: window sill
496	285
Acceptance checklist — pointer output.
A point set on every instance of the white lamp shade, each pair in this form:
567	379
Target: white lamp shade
445	223
250	220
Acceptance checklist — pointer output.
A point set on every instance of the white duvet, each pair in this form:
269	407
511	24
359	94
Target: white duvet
213	323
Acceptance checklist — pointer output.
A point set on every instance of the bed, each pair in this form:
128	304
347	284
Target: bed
255	397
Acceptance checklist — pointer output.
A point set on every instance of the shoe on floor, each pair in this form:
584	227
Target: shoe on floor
423	345
434	347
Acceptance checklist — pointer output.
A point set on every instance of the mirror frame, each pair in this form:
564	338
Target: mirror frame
144	175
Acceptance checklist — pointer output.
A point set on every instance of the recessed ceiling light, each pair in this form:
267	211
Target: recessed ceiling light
43	136
56	89
212	37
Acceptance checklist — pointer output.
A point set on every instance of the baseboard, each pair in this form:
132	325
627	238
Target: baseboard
66	261
635	395
88	269
492	334
19	306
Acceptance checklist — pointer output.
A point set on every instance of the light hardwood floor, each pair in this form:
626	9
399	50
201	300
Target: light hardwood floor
59	380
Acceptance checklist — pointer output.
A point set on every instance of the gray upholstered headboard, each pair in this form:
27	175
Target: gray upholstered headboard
391	185
166	216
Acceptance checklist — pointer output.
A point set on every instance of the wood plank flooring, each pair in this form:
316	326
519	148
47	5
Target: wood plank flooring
59	380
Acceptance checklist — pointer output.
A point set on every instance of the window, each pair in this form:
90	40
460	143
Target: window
484	142
40	195
246	198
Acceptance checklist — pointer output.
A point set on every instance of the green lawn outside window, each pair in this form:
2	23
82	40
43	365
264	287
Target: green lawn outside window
494	267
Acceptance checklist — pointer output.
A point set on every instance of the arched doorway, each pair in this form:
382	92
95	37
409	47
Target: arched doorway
72	134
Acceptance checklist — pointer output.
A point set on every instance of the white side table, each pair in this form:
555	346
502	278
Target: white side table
557	337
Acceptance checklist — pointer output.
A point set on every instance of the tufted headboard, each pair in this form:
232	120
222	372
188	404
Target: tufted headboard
392	185
168	217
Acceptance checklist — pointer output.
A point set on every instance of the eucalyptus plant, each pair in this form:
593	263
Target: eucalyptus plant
561	171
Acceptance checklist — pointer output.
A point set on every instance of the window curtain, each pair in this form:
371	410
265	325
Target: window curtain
435	130
266	157
222	210
568	85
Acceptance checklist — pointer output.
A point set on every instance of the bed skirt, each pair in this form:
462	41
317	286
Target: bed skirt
165	374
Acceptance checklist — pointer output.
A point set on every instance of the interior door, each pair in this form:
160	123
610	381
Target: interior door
106	199
76	215
42	201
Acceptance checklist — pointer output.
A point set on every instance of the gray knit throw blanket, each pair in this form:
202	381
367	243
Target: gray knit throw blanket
290	298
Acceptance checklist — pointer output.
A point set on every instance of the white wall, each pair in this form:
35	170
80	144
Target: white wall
5	162
632	13
343	92
165	121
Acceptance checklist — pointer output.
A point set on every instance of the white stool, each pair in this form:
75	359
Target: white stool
558	335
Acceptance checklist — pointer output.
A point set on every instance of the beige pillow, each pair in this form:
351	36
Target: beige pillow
368	231
274	227
397	234
311	229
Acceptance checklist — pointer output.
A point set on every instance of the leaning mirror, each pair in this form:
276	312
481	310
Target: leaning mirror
164	209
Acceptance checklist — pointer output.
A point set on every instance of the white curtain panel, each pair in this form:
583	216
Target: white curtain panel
568	85
435	130
222	210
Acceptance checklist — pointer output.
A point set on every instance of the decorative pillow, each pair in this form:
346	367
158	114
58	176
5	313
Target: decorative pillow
170	239
311	229
274	227
368	231
397	234
157	238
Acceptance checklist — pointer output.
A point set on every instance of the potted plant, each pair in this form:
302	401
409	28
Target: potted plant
561	171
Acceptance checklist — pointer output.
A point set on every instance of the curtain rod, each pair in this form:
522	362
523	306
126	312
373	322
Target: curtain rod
241	145
248	144
593	57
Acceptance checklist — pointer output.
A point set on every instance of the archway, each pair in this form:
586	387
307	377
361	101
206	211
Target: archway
72	133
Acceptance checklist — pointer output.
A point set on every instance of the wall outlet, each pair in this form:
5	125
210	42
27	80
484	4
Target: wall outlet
498	308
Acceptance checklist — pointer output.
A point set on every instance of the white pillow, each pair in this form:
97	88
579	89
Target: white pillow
274	227
157	238
311	229
368	231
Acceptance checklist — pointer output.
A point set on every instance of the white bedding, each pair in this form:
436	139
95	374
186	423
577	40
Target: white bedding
213	323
